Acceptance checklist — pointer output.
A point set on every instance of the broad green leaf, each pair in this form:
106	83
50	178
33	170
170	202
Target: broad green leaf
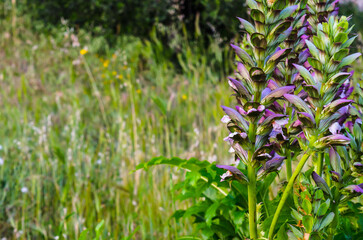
211	213
323	208
341	37
338	56
308	222
306	205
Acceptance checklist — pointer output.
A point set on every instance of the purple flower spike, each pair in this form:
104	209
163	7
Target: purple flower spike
232	173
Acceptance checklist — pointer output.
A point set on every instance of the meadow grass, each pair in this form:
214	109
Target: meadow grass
74	126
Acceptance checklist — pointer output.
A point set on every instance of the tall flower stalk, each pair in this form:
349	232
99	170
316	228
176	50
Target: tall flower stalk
321	107
253	126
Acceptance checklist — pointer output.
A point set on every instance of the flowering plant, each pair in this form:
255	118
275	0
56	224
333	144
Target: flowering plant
293	90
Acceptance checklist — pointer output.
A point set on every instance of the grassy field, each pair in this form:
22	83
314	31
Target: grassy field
74	126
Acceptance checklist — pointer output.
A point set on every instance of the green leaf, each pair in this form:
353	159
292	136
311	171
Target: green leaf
252	4
306	205
323	208
338	56
349	60
287	12
84	235
281	234
247	25
211	213
296	232
243	55
341	38
305	74
298	103
160	103
257	15
99	226
315	63
327	220
308	222
313	49
295	214
349	42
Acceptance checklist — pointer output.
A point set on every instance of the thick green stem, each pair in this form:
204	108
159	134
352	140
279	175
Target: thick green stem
252	202
320	164
286	193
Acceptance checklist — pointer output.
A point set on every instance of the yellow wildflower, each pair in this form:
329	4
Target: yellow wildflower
83	51
138	91
105	63
120	76
184	97
114	73
125	67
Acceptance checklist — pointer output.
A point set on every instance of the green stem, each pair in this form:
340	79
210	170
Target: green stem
252	201
286	193
320	165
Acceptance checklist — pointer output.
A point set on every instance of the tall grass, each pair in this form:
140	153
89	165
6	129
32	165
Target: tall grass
73	127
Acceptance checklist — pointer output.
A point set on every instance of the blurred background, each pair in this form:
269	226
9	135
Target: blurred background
90	89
